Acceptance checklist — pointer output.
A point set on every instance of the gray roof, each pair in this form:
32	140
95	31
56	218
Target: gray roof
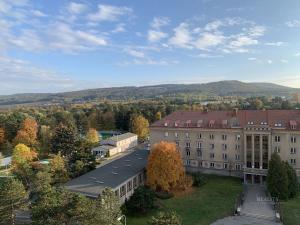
5	161
122	136
103	147
110	175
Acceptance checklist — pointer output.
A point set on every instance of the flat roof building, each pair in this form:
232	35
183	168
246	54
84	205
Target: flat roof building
123	175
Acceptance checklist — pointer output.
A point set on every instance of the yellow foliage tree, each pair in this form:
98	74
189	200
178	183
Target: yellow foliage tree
28	133
158	116
58	169
2	135
22	155
165	167
92	136
140	126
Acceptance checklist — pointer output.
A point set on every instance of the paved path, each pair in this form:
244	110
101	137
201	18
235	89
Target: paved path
257	209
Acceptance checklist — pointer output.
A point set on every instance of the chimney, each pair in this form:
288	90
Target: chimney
235	112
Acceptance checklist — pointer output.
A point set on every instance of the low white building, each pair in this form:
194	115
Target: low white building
115	145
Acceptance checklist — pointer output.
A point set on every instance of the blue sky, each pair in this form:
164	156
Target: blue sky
58	45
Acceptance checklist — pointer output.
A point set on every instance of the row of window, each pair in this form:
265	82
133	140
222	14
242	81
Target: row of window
211	146
214	165
292	150
132	184
212	155
199	136
292	139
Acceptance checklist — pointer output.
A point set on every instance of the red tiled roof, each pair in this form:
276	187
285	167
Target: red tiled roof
241	118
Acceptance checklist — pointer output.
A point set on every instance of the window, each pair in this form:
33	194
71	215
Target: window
225	166
187	135
122	190
212	165
293	161
224	146
176	134
177	143
293	139
199	145
134	182
199	153
293	150
129	186
212	155
237	157
166	134
188	152
188	145
237	147
224	156
212	146
188	162
140	179
199	136
277	149
238	137
237	166
277	138
224	137
117	193
211	136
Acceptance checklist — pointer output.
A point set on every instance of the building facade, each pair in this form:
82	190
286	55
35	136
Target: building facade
235	143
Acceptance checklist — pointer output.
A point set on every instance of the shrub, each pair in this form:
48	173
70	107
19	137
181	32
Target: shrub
165	218
199	179
141	201
164	195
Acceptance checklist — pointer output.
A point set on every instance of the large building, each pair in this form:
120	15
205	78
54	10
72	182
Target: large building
123	175
236	143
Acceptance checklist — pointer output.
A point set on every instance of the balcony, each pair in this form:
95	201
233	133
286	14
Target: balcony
255	171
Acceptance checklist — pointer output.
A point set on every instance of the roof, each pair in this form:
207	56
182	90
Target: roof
277	119
110	175
103	147
122	136
5	161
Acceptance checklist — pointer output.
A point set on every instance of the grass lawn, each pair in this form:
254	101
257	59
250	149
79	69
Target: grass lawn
203	205
291	211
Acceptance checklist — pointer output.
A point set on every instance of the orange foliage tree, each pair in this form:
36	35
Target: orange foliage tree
92	136
28	133
165	167
2	135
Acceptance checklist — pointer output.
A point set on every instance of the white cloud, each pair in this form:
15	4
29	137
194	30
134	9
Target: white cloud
212	26
284	61
257	31
182	37
297	54
243	41
278	43
293	23
119	28
159	22
269	61
155	35
38	13
208	40
76	8
109	13
135	53
252	59
148	61
208	56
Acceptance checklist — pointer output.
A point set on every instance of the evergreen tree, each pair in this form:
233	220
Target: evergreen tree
293	185
277	179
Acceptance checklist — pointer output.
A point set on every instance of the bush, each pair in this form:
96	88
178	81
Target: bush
199	179
165	218
164	195
185	182
141	201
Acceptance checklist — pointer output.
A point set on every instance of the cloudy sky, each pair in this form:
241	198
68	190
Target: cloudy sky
58	45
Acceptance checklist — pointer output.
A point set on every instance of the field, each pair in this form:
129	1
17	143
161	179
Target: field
201	206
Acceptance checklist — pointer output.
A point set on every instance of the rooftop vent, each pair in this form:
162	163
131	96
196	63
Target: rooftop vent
99	182
115	173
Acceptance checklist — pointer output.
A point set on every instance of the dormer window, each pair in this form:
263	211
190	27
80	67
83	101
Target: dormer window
293	124
188	123
166	124
224	123
250	123
199	123
176	124
211	123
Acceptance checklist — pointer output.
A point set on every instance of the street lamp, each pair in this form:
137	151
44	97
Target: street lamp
120	218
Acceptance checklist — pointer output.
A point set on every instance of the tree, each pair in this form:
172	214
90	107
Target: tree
165	218
12	197
92	136
141	201
63	140
45	138
140	126
258	104
28	133
293	184
277	179
58	170
81	122
158	116
2	136
12	124
165	166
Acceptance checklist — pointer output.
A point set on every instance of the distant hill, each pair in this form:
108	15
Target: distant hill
221	88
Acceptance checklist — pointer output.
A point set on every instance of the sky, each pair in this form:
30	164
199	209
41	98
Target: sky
59	45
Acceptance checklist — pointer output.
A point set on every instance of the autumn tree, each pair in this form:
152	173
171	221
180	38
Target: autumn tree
58	169
2	136
45	138
158	116
165	167
92	136
63	140
140	126
28	133
12	197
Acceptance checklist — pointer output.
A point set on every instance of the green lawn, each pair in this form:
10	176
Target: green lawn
204	205
291	211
